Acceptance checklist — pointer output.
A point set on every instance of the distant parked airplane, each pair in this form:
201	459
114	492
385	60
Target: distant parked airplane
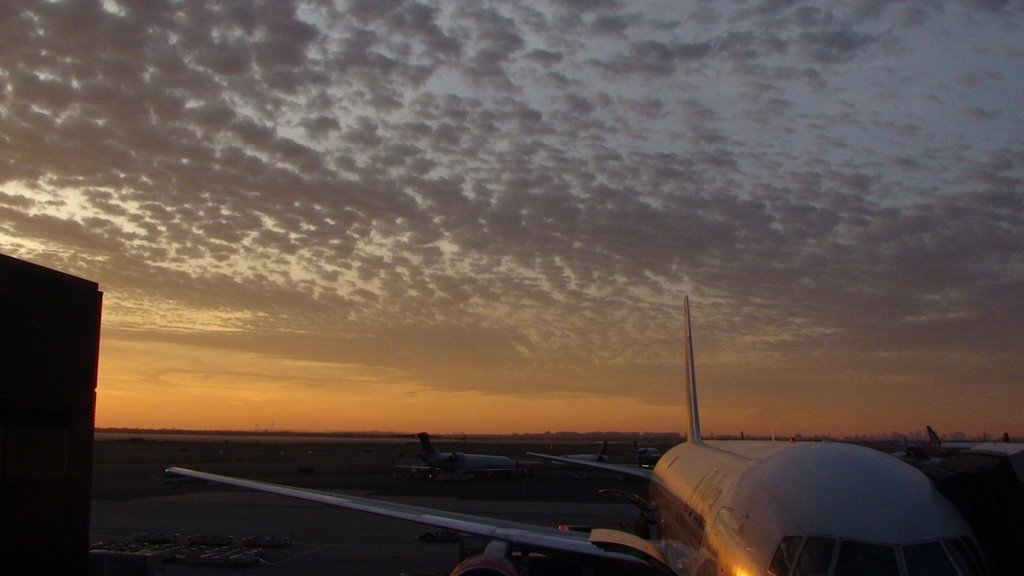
936	444
453	466
646	456
460	465
1013	451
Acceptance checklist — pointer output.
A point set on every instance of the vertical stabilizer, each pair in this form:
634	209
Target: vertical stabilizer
693	431
428	448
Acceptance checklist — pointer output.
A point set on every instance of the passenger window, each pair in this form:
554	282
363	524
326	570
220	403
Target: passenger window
861	559
927	559
815	558
785	556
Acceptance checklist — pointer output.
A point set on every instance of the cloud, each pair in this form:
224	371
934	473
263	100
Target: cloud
526	188
833	46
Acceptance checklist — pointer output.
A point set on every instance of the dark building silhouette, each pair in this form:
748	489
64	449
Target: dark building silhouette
49	346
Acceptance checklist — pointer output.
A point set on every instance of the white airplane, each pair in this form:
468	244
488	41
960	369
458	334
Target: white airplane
732	508
459	465
1012	451
646	456
936	444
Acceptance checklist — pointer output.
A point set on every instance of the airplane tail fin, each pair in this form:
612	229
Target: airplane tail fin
604	450
693	430
428	448
933	438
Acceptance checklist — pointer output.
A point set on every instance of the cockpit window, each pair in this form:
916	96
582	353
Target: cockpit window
785	556
819	556
859	559
815	558
966	556
928	559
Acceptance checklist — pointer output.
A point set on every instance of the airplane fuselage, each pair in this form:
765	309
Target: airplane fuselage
465	465
725	508
469	463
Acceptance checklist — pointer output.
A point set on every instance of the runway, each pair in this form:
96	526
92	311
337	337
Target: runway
133	496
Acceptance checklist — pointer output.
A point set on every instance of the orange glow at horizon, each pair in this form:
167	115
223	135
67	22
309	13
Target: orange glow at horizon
156	385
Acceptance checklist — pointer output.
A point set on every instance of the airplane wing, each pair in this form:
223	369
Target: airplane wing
525	537
634	471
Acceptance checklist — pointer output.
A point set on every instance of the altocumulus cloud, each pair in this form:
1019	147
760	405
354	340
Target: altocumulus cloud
526	189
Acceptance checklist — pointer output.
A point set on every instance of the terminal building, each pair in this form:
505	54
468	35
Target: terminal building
49	348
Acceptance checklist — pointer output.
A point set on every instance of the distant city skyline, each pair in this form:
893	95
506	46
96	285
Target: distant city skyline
484	216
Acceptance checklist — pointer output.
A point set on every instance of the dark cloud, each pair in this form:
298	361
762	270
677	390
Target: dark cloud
996	6
408	19
614	24
651	57
588	5
833	46
496	39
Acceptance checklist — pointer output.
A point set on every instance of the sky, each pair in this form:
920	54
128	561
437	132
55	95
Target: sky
482	217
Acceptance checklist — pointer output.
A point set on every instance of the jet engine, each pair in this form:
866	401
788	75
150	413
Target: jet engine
485	565
493	561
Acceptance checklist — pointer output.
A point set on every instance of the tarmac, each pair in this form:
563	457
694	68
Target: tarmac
132	496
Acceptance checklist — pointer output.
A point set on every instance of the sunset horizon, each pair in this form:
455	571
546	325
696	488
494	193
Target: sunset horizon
485	216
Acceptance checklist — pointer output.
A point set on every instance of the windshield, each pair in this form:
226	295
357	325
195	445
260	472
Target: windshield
861	559
819	556
928	559
966	555
815	558
785	556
